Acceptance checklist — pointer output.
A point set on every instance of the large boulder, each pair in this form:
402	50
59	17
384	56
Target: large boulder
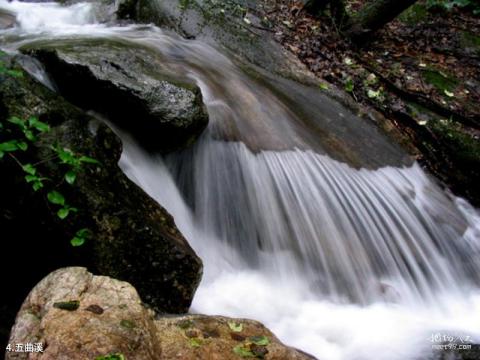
126	83
76	315
129	237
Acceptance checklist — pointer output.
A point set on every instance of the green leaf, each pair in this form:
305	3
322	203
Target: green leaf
56	198
349	85
242	351
70	177
30	178
2	154
37	124
29	169
80	237
17	121
89	160
37	185
63	213
195	342
85	233
259	340
9	146
30	136
237	327
22	145
76	241
66	155
323	86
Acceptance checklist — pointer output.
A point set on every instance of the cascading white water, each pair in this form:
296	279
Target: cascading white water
341	262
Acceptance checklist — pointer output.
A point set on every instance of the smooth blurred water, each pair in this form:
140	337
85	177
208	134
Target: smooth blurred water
342	261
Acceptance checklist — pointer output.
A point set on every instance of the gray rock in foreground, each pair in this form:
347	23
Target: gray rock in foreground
77	315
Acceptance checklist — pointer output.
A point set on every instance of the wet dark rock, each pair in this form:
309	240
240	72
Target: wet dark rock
126	83
128	230
126	9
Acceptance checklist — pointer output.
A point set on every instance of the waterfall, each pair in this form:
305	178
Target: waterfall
306	217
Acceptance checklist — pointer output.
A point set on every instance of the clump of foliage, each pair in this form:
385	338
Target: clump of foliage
253	347
17	136
448	5
30	129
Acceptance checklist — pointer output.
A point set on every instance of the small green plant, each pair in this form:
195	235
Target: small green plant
33	178
254	347
349	85
117	356
58	199
448	5
30	130
80	237
243	351
73	161
259	340
234	326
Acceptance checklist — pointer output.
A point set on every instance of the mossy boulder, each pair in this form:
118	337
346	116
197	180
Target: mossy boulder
131	237
125	82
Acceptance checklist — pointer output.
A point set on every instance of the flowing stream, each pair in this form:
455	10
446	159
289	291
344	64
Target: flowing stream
342	260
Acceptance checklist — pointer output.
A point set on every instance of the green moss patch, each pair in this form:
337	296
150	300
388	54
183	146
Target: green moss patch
440	80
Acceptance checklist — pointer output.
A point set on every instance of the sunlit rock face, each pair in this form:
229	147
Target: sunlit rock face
72	314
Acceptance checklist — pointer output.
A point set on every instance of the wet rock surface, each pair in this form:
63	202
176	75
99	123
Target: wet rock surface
126	84
230	24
